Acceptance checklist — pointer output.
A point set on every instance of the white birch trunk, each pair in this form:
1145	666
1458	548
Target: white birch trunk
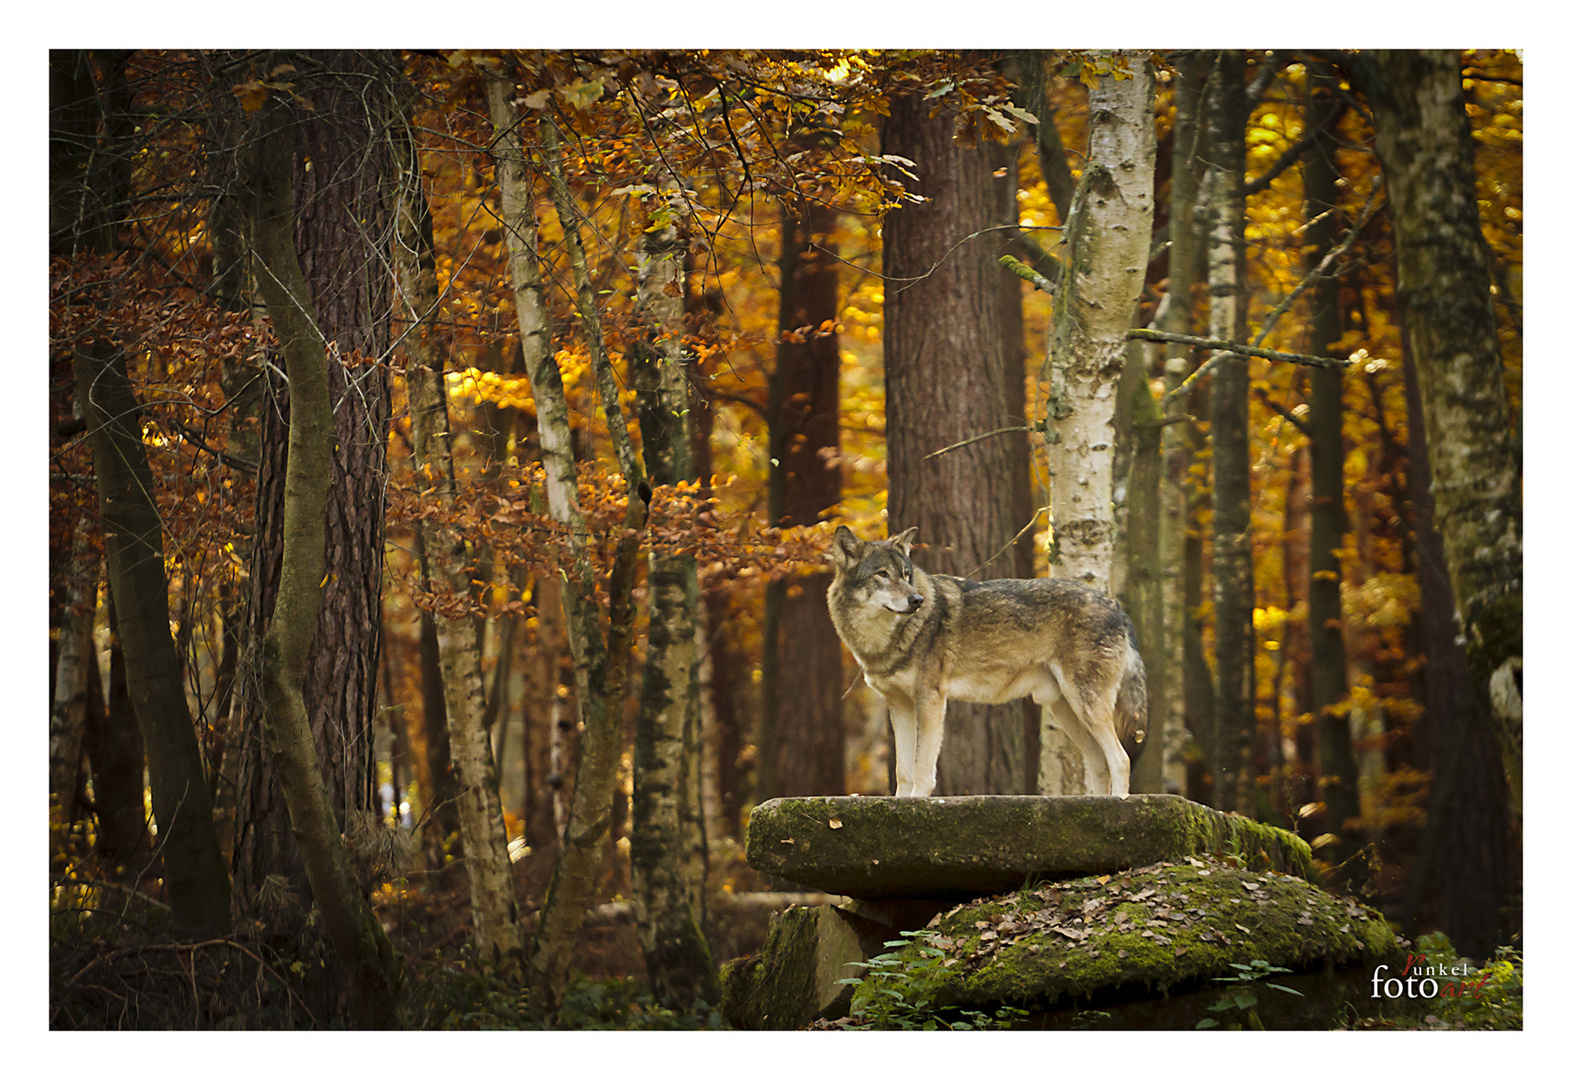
1109	238
499	938
68	712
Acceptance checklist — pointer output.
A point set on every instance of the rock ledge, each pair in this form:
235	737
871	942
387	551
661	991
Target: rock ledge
980	845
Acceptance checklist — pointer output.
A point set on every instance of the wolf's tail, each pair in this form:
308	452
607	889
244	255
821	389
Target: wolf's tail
1130	704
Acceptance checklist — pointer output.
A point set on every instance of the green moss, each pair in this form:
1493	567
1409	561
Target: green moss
980	845
1147	932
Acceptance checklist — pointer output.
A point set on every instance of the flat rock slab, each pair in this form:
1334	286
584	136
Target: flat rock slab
983	845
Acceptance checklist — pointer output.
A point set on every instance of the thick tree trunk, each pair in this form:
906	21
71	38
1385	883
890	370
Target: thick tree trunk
947	379
802	743
666	899
341	179
1108	240
194	873
1232	558
1469	865
1443	270
373	968
494	908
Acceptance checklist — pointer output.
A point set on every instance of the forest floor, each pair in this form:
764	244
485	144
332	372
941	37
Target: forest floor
113	967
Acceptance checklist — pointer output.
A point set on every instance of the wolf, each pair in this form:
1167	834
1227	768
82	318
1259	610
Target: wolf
922	639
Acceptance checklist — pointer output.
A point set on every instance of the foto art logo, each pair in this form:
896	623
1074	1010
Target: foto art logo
1417	980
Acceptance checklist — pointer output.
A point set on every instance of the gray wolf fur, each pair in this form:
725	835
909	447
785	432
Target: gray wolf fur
925	638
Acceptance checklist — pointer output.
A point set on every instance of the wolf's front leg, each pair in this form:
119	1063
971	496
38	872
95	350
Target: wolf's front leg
903	725
930	736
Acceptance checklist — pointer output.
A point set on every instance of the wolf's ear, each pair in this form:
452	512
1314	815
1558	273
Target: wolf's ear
845	549
904	541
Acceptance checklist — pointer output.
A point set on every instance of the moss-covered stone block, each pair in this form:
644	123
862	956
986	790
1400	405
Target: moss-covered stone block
979	845
795	979
1129	940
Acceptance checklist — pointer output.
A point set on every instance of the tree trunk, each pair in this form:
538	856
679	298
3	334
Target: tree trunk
341	181
1426	149
1337	770
68	711
1469	864
439	792
947	379
494	907
599	662
1232	566
665	898
114	750
1145	578
373	969
1180	442
1108	239
194	873
802	742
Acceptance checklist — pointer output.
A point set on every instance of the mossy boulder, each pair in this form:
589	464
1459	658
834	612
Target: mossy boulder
979	845
1143	941
796	977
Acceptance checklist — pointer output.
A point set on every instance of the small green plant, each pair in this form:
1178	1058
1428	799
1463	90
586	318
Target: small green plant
1242	999
1087	1019
902	992
591	1004
1488	999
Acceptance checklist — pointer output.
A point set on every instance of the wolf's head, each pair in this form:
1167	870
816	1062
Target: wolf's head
876	572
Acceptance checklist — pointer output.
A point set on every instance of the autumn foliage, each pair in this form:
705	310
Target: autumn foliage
745	132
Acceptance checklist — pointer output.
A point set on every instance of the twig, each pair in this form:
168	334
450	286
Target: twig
1041	425
1026	273
1144	334
1325	264
1280	411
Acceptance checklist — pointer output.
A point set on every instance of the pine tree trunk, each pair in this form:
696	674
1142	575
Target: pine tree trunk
947	379
340	192
1232	558
494	908
373	968
194	873
802	742
1427	157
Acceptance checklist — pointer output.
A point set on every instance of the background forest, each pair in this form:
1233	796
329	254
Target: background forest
444	448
